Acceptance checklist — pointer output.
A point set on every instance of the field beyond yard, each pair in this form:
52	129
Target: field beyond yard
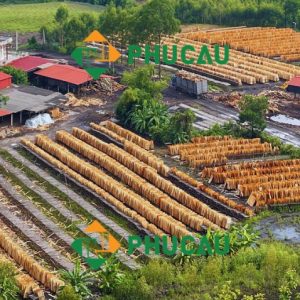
30	17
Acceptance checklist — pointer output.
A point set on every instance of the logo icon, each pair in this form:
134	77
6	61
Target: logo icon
97	50
99	242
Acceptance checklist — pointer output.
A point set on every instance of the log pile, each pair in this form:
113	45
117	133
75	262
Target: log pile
151	213
202	153
95	188
75	102
186	212
261	181
31	266
214	194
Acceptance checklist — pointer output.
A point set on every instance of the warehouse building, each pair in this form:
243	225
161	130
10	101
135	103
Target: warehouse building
62	78
30	64
294	86
25	102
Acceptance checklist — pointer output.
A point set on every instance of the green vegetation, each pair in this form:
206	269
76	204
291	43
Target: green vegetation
79	279
248	272
240	12
253	114
8	286
3	100
18	76
68	293
141	108
30	17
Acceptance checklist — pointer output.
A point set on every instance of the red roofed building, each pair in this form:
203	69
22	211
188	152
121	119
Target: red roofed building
63	78
5	80
294	85
29	63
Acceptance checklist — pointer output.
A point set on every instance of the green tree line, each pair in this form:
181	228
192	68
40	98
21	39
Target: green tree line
278	13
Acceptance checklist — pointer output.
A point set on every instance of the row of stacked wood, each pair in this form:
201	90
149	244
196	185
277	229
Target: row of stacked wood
264	183
265	41
133	144
241	68
32	267
121	134
212	193
217	150
139	191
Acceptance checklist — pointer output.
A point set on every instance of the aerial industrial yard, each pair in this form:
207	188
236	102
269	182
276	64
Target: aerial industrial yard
175	176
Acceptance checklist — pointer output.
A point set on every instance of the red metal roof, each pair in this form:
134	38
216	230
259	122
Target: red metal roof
66	73
4	112
29	63
295	81
4	76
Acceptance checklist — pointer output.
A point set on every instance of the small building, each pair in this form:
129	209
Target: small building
293	86
29	63
5	80
27	101
5	42
62	78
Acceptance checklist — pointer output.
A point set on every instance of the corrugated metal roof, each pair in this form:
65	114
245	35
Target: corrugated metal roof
4	76
295	81
66	73
4	112
31	98
29	63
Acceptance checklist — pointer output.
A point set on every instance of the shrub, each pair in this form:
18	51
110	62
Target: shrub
8	286
18	76
68	293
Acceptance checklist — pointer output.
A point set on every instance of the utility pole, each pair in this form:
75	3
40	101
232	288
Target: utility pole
17	41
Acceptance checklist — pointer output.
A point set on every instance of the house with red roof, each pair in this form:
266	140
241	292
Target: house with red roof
62	78
29	63
294	85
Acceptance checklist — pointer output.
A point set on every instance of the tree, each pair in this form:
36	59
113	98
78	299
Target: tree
155	19
18	75
291	8
141	78
181	126
253	113
61	17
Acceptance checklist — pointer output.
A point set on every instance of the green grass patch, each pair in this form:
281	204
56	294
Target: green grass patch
30	17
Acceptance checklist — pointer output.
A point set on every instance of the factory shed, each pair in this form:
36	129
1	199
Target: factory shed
26	101
5	80
63	78
294	85
29	63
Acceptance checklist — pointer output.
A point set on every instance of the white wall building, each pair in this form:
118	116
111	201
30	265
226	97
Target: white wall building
4	42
